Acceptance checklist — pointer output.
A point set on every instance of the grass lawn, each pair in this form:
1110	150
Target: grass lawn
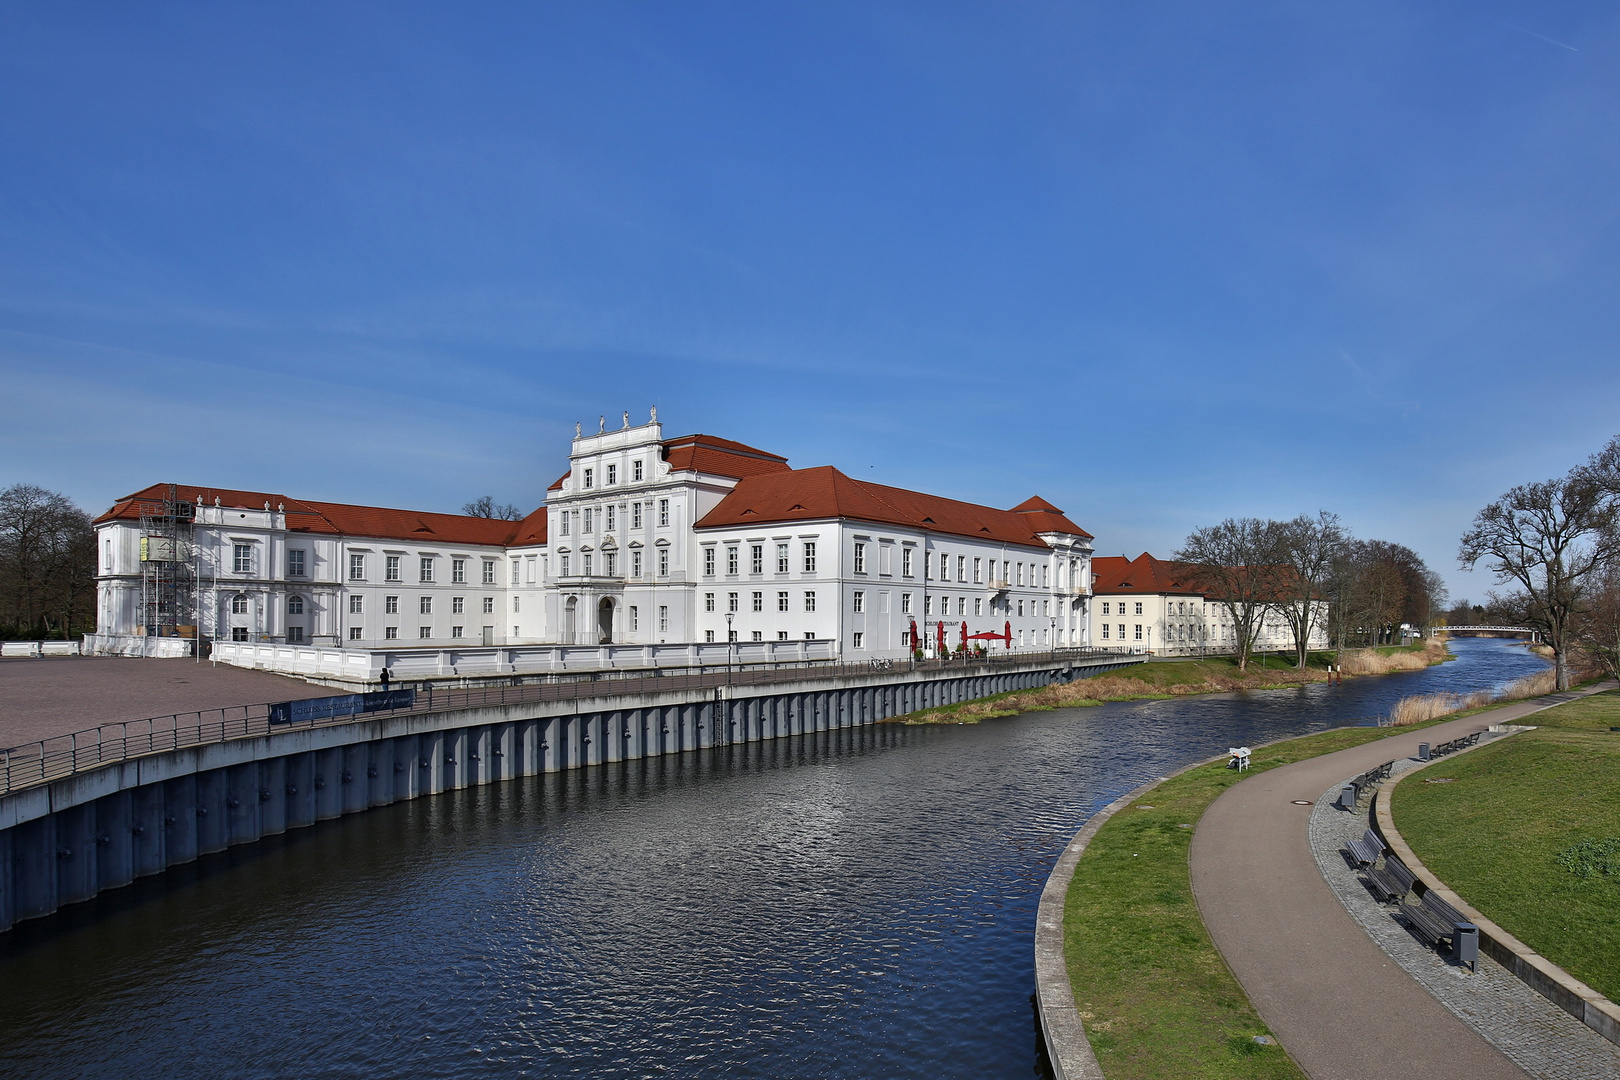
1156	997
1495	834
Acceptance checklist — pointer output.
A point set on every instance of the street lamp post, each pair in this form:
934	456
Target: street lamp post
731	638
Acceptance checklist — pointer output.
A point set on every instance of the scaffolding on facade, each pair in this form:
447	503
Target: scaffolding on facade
168	568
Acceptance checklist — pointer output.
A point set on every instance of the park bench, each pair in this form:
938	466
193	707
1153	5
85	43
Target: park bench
1365	851
1435	922
1428	753
1390	882
1353	790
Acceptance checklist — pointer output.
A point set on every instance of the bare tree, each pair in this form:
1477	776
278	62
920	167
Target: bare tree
1597	629
1550	539
485	507
1235	563
47	562
1308	547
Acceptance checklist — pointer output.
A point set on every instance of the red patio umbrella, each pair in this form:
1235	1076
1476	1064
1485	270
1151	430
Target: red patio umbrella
940	628
964	633
916	642
1008	633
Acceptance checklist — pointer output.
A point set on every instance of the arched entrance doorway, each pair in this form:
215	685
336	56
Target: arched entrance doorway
570	615
604	622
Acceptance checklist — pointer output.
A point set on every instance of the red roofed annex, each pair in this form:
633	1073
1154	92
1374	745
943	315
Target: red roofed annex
664	544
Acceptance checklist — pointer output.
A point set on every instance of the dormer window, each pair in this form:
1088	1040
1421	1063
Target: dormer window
590	477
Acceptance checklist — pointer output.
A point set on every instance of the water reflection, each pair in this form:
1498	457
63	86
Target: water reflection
857	904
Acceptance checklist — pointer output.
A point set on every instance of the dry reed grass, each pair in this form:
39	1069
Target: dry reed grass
1373	662
1418	708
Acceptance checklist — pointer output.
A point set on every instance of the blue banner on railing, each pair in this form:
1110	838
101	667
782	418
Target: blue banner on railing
324	708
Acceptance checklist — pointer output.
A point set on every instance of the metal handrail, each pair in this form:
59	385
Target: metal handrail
46	760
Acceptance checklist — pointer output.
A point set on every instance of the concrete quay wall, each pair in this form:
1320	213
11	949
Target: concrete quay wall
65	842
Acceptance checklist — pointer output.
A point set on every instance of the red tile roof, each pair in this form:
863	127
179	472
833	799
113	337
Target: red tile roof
720	457
341	519
824	492
1143	574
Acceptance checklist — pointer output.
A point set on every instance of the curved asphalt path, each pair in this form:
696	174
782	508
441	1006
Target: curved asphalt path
1335	1001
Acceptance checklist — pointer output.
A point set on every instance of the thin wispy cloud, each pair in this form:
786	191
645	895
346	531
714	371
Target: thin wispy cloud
1532	33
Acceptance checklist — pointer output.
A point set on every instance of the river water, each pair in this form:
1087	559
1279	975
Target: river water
859	904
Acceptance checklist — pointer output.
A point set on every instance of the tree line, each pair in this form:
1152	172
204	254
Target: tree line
47	565
1555	547
1314	575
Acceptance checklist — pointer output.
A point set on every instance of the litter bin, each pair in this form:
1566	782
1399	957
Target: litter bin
1423	751
1465	945
1347	797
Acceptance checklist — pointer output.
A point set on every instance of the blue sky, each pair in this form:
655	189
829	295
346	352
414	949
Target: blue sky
1160	263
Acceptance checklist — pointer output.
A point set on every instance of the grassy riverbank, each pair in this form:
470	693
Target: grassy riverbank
1157	1000
1496	831
1178	678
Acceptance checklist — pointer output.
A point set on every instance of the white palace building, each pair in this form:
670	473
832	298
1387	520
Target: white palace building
648	551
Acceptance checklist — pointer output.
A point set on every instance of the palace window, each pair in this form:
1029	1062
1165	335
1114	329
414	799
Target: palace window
663	511
612	518
759	635
708	601
781	558
590	477
1122	631
586	559
905	562
944	567
357	605
425	605
458	571
1020	608
635	563
295	562
810	601
610	563
239	604
562	563
455	631
635	470
635	515
809	556
1105	607
708	562
708	635
1139	608
635	617
731	561
663	561
390	605
858	639
489	571
424	631
489	605
978	574
756	558
1105	631
978	605
1138	631
562	519
588	512
858	601
391	570
295	605
860	558
612	477
517	571
242	558
390	632
663	618
961	568
357	567
759	601
928	605
516	603
356	633
905	603
781	601
731	601
781	635
458	605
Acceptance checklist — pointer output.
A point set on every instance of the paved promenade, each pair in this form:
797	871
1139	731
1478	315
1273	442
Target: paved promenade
1335	1000
41	698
